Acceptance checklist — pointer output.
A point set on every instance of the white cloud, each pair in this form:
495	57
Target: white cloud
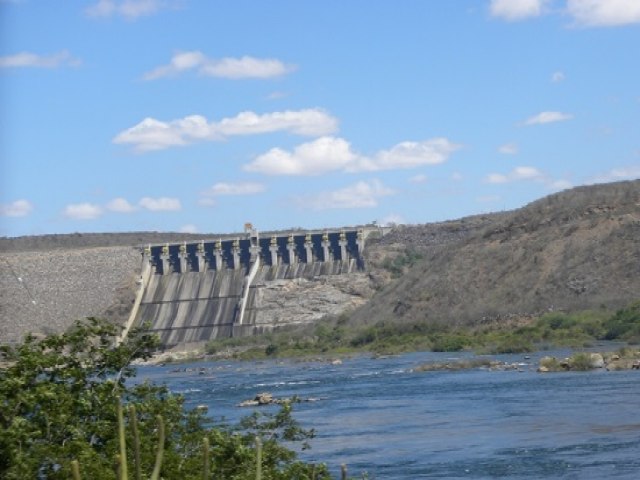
246	188
19	208
82	211
277	95
359	195
513	10
414	154
420	178
557	185
152	134
207	202
518	173
525	173
180	62
585	13
246	67
557	77
28	59
233	68
130	9
327	154
604	13
548	117
189	228
392	220
617	174
120	205
309	122
497	178
323	155
162	204
508	149
488	198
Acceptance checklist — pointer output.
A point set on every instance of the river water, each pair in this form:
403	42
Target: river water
382	418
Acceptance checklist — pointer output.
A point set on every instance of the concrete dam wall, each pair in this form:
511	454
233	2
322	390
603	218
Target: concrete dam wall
195	292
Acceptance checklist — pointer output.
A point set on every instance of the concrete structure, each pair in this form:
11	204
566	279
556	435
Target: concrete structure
208	289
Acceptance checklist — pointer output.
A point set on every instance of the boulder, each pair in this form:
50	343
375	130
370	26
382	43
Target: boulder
267	398
264	398
597	360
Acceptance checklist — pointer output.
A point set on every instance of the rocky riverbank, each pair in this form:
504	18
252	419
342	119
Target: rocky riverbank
624	359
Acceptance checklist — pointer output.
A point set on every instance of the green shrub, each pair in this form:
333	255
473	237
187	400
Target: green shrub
581	361
401	262
449	342
550	363
514	344
557	321
624	324
364	337
271	350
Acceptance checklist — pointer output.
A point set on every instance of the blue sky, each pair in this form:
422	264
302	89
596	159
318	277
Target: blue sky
199	116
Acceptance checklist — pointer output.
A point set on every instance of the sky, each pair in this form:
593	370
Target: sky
201	115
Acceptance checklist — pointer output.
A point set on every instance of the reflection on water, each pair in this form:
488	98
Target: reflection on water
381	417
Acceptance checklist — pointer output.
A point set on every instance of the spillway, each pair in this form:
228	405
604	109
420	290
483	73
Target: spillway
201	291
193	306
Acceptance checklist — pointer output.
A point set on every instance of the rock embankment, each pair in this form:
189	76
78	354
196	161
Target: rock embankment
47	291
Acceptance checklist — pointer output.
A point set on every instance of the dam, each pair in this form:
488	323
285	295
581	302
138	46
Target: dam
198	291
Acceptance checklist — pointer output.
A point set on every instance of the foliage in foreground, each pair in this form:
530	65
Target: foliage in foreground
59	400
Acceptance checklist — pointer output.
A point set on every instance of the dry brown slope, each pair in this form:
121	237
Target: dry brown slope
573	250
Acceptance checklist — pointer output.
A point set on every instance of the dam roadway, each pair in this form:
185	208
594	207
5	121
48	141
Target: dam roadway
199	291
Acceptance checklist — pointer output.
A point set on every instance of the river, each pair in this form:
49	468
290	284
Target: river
382	418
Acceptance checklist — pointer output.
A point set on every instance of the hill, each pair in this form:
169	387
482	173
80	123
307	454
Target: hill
578	249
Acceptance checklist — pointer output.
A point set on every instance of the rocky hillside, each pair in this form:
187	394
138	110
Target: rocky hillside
573	250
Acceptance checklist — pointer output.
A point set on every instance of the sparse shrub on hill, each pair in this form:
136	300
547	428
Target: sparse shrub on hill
399	264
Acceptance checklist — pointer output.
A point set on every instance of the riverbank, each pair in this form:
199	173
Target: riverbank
335	337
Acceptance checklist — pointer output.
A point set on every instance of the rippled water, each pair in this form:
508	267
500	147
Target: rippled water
379	416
